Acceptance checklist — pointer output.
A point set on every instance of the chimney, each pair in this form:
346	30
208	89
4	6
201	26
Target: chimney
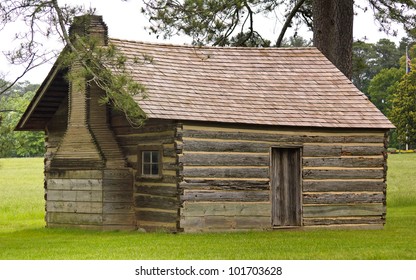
90	26
88	184
89	141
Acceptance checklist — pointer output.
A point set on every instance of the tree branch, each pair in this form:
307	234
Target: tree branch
288	21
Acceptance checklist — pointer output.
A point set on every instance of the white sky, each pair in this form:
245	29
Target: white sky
125	21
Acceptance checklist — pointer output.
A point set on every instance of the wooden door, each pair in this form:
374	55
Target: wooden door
286	187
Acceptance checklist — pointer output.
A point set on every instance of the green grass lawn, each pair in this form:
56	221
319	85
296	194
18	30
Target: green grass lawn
23	236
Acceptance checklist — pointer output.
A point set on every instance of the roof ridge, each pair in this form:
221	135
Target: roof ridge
209	47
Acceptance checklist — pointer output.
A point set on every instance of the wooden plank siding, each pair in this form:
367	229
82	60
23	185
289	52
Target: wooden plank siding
225	176
155	200
86	186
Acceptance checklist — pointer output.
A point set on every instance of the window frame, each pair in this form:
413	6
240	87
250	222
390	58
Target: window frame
140	153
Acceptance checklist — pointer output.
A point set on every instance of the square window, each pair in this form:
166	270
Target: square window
150	161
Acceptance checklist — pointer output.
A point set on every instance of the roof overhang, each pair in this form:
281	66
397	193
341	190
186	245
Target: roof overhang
46	101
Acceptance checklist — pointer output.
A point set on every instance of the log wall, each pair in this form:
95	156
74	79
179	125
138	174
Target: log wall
225	175
155	199
86	182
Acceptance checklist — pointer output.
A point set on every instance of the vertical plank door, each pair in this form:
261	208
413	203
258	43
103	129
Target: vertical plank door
286	187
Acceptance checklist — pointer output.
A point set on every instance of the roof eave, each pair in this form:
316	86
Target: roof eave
22	125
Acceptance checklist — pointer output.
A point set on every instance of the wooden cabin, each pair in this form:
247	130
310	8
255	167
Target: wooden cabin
236	139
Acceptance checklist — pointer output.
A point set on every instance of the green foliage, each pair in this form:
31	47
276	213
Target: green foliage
234	21
90	60
23	236
363	56
382	87
220	22
369	59
296	41
18	143
388	11
403	112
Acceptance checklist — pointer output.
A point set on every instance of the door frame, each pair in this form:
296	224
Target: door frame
300	186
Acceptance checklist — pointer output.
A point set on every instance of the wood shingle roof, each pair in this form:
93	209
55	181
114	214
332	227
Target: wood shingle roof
267	86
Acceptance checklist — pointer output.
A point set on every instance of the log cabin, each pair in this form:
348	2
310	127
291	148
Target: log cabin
235	139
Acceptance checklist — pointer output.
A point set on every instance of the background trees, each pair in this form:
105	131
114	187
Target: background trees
403	110
12	105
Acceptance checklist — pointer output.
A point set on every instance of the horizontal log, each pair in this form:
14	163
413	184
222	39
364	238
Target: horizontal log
226	172
226	209
343	162
123	219
314	211
343	185
99	227
342	150
74	207
74	184
117	207
156	216
224	159
168	151
117	185
244	222
64	195
130	141
237	127
343	221
151	226
170	191
74	174
74	218
322	151
343	198
210	183
117	196
347	227
215	146
194	224
220	195
122	127
356	173
116	174
157	202
164	179
169	163
302	136
363	150
76	164
164	137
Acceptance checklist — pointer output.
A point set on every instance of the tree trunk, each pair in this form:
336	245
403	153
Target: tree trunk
332	31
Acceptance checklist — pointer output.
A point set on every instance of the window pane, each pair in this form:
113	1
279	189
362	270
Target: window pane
146	169
150	162
155	169
155	156
146	156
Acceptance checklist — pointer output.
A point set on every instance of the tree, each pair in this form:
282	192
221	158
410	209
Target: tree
296	41
387	54
12	105
403	112
332	31
383	86
369	59
45	19
364	61
215	22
